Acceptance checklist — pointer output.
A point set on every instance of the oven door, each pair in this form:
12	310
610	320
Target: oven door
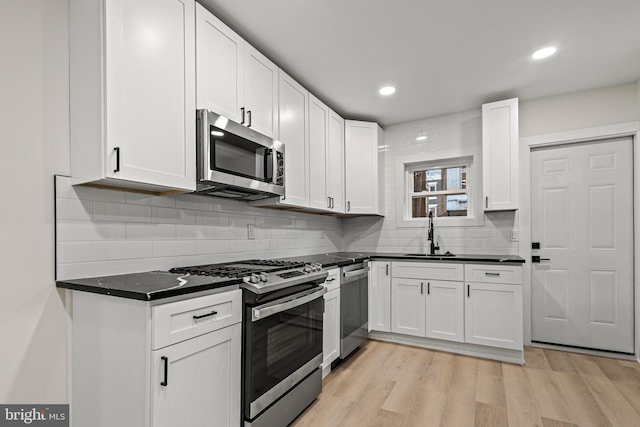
283	344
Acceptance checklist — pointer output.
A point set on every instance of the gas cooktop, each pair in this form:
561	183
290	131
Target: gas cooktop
260	276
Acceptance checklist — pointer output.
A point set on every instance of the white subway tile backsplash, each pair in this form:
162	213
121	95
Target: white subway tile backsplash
74	209
140	231
174	248
150	264
90	269
148	200
194	232
162	215
119	212
212	218
69	252
195	202
118	250
73	231
212	246
443	133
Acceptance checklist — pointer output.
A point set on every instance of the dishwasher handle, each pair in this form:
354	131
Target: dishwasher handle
356	272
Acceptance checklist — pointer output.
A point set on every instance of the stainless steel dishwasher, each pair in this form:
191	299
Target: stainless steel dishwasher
354	307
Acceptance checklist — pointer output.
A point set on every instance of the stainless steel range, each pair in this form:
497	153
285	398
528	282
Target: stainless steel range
282	336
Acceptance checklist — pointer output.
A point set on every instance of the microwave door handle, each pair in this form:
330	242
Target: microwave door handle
274	165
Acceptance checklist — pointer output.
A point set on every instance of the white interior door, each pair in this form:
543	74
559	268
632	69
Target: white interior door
582	215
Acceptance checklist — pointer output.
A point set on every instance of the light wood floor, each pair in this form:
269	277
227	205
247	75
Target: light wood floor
386	384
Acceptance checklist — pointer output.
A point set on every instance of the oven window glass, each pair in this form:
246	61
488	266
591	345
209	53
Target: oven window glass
280	344
238	156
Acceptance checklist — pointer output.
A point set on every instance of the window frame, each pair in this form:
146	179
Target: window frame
467	156
424	166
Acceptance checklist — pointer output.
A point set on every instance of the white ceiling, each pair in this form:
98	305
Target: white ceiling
443	56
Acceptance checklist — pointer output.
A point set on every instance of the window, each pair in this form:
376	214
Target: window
438	189
445	182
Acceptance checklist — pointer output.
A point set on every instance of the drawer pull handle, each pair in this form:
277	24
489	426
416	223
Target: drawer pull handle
492	274
213	313
165	359
330	279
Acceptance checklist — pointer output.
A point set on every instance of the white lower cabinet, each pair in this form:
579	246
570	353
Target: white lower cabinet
197	382
408	306
445	310
380	296
432	305
493	315
138	364
331	321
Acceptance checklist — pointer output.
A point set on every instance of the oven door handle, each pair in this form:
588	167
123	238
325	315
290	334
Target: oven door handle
267	310
356	272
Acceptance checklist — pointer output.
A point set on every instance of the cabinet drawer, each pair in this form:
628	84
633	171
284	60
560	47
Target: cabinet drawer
428	270
333	279
181	320
493	273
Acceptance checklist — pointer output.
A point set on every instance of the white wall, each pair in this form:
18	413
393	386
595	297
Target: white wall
33	137
444	133
579	110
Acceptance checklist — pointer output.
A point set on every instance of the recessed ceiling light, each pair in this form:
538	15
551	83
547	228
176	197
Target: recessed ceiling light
421	138
544	52
387	90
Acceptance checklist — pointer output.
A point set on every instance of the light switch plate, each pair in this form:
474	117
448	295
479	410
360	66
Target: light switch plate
251	231
514	235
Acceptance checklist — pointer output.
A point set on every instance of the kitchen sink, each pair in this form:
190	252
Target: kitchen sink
444	255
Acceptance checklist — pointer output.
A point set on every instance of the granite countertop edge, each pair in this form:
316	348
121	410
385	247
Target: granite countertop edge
99	285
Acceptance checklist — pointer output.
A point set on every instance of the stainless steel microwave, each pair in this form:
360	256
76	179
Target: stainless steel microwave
236	162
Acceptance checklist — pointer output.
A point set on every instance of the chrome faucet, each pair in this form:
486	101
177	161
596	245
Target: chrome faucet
432	247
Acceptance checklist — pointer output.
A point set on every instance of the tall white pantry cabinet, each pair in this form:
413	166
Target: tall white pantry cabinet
132	93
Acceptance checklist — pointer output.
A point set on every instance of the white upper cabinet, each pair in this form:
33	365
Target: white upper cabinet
233	78
132	93
500	155
260	92
335	162
294	132
364	185
326	165
318	139
219	66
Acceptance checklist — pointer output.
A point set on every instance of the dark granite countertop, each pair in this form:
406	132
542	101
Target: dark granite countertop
149	286
339	259
161	284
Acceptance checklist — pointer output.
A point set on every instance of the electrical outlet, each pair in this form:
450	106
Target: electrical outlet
514	235
251	231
